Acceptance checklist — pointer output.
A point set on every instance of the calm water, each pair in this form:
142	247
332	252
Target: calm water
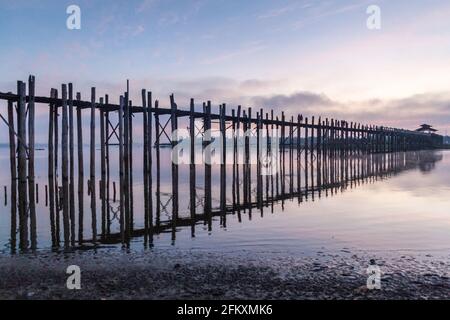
389	203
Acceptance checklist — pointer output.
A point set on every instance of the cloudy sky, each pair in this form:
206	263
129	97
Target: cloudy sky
301	56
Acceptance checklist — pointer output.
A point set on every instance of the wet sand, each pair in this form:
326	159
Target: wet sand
178	274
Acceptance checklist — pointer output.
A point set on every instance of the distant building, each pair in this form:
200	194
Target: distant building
426	128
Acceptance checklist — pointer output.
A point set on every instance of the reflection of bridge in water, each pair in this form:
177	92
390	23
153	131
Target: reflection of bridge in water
328	154
324	177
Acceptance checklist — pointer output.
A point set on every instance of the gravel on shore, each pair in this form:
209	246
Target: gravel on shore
178	274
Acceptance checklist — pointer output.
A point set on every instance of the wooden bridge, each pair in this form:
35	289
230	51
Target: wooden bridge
311	137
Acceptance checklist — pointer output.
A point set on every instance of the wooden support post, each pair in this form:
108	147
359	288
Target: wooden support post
71	169
306	155
207	137
150	162
174	127
65	166
56	137
130	163
108	207
126	183
249	168
158	164
233	127
80	172
312	143
102	166
145	161
283	153
31	147
192	175
291	155
92	167
258	158
13	167
299	120
51	169
238	152
223	159
121	168
22	166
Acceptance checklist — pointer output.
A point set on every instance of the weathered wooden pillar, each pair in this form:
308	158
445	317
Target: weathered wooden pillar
130	163
65	165
150	162
13	168
126	183
71	168
51	168
174	127
56	157
80	172
92	167
192	175
22	165
31	148
207	137
158	164
238	152
122	190
223	162
103	166
108	207
291	155
299	121
145	129
249	167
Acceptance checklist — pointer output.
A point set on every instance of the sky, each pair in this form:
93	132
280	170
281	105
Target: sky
300	56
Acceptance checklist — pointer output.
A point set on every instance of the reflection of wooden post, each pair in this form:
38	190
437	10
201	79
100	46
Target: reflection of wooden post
92	167
65	166
13	167
22	165
31	175
80	171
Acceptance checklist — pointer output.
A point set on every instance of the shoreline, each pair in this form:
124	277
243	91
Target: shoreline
189	274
